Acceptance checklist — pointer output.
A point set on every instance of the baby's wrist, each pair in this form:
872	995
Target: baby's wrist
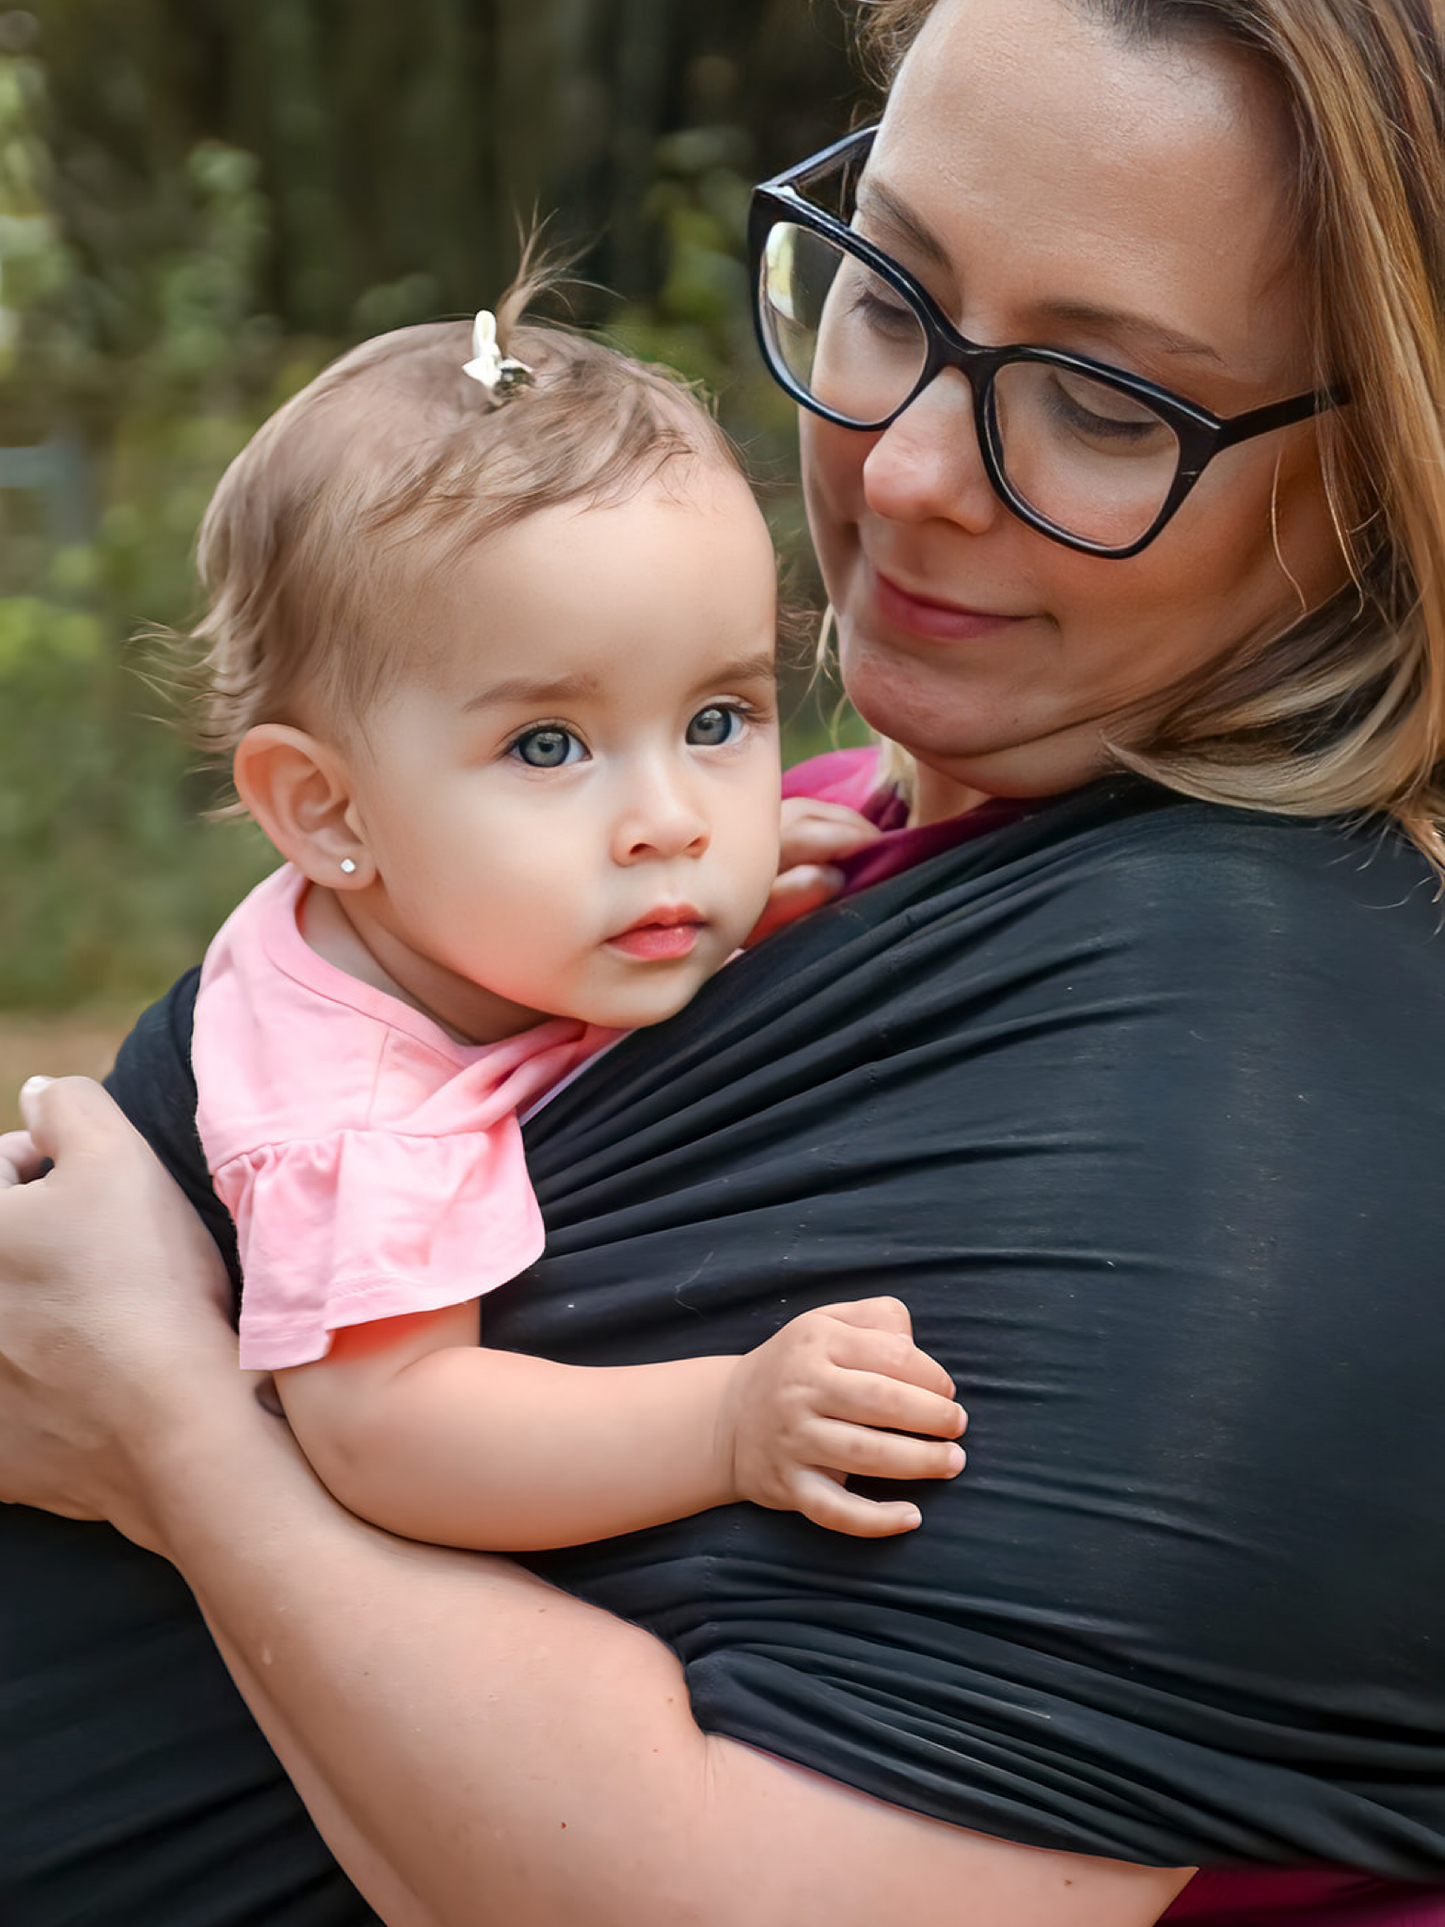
728	1426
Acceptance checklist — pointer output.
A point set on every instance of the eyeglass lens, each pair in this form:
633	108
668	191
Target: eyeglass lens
1089	458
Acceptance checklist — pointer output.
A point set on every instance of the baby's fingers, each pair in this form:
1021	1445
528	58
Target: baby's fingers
870	1398
828	1503
872	1314
861	1450
891	1355
797	891
814	832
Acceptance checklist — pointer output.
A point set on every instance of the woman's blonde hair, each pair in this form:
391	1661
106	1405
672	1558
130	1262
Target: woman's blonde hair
392	462
1345	712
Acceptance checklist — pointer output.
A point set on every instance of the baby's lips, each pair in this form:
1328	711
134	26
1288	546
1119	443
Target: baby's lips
659	942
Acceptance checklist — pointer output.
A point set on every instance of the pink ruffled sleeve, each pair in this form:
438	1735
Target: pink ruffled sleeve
371	1224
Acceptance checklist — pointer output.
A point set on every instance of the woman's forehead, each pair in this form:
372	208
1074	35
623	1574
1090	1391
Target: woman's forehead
1047	172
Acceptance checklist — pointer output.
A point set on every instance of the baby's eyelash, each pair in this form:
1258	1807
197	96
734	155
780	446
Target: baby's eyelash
741	706
736	710
531	729
515	746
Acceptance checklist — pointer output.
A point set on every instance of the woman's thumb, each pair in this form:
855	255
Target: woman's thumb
66	1114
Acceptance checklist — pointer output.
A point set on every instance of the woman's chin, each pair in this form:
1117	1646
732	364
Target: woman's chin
935	712
973	740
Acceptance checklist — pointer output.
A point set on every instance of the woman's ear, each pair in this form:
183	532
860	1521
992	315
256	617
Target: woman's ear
299	790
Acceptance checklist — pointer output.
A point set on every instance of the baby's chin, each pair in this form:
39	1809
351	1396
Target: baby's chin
639	1013
642	1005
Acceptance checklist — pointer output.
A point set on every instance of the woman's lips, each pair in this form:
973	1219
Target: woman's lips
661	936
938	621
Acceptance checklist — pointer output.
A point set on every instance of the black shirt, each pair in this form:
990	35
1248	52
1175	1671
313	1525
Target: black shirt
1139	1105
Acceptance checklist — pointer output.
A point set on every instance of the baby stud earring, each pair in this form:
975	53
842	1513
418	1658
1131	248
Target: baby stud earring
348	868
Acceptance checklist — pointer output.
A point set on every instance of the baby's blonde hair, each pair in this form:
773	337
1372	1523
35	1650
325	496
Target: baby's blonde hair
385	468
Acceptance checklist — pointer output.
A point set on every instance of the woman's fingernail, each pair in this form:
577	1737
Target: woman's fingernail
33	1086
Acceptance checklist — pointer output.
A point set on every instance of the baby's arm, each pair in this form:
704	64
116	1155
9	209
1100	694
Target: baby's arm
412	1425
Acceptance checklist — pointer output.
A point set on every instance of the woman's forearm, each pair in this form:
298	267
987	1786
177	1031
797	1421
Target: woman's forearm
478	1747
435	1708
384	1885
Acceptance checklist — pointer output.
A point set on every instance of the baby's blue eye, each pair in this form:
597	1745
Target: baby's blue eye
710	728
548	748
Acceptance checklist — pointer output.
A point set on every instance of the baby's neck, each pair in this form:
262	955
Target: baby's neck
365	949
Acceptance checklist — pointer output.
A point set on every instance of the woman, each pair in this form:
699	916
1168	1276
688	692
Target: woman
1136	1100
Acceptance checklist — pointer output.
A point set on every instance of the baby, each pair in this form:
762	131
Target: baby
490	639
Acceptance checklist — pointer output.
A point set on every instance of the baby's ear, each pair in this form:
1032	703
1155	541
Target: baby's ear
299	791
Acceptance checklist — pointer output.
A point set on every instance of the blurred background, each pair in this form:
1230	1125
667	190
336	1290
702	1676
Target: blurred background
202	202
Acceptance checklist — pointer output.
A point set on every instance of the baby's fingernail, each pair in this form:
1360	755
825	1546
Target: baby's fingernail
957	1460
914	1519
33	1086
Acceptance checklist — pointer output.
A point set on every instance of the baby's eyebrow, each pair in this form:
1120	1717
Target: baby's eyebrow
759	668
531	692
524	689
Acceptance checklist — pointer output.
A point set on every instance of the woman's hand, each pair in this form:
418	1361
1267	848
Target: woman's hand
112	1321
815	836
840	1391
20	1159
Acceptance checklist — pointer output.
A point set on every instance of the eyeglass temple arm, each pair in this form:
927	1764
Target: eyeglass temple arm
1279	414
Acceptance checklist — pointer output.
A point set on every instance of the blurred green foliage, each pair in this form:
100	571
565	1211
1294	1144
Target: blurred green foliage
111	876
201	202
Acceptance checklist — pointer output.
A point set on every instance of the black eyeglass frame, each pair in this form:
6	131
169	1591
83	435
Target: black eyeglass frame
1201	435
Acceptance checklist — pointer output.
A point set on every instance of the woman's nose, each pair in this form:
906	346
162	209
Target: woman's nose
660	820
927	465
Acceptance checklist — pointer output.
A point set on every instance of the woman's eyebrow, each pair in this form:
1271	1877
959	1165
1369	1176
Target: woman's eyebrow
874	197
879	202
1143	327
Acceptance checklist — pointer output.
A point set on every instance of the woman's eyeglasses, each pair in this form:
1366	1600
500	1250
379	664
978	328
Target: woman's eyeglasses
1094	457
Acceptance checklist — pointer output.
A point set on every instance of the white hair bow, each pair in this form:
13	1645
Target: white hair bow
502	377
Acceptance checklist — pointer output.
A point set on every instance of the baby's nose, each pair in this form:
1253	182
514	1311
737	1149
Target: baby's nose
665	822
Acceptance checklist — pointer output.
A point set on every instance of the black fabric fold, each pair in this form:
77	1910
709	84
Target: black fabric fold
1139	1104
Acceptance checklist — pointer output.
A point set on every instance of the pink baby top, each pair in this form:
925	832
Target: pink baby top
373	1165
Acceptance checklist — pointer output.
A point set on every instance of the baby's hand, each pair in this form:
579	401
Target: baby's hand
836	1392
814	836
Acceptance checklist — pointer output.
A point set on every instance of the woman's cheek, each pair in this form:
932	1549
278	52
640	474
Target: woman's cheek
832	462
